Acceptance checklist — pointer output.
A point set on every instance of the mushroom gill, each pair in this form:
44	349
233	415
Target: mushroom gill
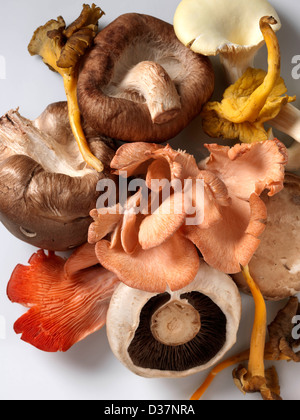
28	138
175	334
178	321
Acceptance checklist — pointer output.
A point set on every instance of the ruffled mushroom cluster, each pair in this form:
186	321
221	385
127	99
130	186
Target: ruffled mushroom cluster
152	250
163	263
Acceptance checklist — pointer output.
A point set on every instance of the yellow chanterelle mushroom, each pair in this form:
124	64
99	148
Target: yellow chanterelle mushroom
253	100
61	49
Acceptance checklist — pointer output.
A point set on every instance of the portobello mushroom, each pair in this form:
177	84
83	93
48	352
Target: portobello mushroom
46	189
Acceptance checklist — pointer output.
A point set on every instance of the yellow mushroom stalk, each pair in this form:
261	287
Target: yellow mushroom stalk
62	49
279	347
232	361
242	357
256	366
253	379
70	84
251	109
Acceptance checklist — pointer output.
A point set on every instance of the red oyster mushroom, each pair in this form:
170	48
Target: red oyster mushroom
139	83
67	300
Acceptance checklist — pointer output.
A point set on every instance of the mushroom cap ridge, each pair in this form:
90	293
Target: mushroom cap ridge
128	40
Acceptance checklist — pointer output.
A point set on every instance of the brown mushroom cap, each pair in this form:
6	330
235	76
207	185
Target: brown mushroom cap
46	191
276	264
139	83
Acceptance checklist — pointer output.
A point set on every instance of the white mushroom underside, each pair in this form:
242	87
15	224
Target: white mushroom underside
19	136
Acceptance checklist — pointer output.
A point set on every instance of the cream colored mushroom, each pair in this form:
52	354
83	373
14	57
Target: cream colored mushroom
288	121
276	264
229	28
175	334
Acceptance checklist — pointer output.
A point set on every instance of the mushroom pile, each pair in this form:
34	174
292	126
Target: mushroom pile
162	245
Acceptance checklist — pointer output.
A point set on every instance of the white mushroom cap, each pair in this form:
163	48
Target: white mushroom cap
124	318
226	27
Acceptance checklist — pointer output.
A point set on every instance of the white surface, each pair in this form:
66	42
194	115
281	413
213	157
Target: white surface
89	370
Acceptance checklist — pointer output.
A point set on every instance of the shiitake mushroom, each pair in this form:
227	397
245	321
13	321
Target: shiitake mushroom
140	83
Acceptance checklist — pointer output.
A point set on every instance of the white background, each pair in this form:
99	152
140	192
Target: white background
89	370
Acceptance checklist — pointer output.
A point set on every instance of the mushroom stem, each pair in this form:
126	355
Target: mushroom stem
252	108
256	365
293	157
152	81
176	323
70	84
239	358
288	121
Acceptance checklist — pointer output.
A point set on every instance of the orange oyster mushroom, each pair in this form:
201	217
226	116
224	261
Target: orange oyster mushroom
174	262
155	251
246	170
